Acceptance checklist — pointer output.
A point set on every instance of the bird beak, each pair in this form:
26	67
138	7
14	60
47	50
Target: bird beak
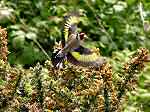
85	36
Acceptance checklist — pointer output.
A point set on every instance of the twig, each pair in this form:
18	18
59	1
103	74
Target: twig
141	12
38	44
34	40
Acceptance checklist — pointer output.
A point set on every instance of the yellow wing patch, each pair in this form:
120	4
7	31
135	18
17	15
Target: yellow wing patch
70	21
85	58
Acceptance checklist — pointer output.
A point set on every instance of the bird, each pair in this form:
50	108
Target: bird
86	57
73	42
71	39
73	50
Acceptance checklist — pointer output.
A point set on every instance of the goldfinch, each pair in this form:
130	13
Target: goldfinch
72	49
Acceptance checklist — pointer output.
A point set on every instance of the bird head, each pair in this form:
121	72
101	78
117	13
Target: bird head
82	36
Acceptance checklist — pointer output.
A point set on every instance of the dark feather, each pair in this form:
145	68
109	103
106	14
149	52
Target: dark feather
83	50
56	60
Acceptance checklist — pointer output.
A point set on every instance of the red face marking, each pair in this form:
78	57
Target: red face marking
82	35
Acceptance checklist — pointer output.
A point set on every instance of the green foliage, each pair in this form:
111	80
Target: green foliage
112	25
138	99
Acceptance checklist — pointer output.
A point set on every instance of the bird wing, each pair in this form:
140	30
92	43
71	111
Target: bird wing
83	50
57	61
85	57
70	25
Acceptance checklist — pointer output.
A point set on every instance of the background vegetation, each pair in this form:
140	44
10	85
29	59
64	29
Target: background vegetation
116	27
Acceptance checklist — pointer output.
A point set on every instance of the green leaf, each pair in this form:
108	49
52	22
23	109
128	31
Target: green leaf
31	36
18	42
110	1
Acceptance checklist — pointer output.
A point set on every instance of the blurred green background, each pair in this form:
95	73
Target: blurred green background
116	27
